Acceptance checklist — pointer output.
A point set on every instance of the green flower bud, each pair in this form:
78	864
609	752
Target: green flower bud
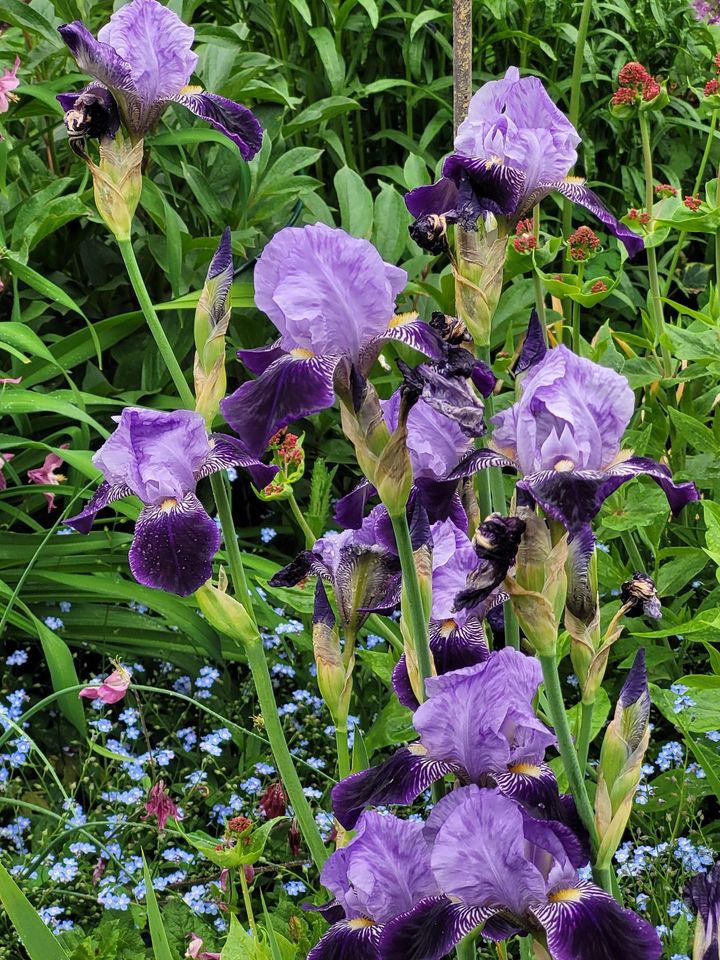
479	264
225	614
118	183
212	316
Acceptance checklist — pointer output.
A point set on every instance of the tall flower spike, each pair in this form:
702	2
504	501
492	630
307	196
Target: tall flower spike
159	457
332	299
211	322
499	867
143	56
626	740
514	148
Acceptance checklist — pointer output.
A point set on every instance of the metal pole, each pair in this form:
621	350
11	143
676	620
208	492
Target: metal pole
462	59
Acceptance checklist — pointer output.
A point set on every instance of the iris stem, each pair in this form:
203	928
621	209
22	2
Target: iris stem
310	537
156	328
559	720
583	738
575	91
576	313
343	753
655	294
254	650
466	950
413	608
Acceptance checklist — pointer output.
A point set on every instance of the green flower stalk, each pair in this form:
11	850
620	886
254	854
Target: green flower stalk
621	757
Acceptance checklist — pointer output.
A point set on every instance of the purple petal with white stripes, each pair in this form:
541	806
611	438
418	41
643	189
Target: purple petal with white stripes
288	389
105	494
498	187
479	460
349	940
400	779
238	123
227	452
174	545
259	359
98	59
583	922
430	930
582	195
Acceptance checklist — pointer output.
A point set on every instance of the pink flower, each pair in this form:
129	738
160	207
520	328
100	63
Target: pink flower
161	805
4	380
110	690
8	82
4	457
195	949
46	474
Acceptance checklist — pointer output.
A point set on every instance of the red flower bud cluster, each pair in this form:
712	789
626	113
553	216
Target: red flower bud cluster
239	824
273	802
285	445
524	240
639	216
692	203
583	243
665	190
598	287
712	87
635	82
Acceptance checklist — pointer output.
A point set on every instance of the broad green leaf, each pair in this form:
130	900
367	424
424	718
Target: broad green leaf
319	112
356	203
711	512
422	19
27	18
161	946
372	11
691	429
25	401
22	337
241	945
39	941
390	223
303	9
332	61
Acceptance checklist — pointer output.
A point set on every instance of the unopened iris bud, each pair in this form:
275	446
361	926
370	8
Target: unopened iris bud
621	757
225	614
212	316
639	597
118	183
334	676
480	260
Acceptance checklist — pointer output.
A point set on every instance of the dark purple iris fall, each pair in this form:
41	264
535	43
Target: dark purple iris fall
564	435
477	723
159	457
144	57
464	591
702	894
514	148
382	873
498	866
332	298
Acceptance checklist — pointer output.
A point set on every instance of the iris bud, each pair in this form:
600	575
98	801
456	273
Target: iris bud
118	183
212	316
225	614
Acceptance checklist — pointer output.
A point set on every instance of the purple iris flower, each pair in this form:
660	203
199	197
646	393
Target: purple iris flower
500	867
514	148
477	723
564	436
702	894
332	298
362	566
144	57
464	591
382	873
159	456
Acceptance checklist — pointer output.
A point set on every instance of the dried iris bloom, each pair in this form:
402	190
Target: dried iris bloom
478	723
159	457
639	597
332	298
143	57
514	148
381	874
499	867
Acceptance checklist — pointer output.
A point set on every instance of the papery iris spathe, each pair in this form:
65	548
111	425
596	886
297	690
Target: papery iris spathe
144	57
159	457
514	148
332	299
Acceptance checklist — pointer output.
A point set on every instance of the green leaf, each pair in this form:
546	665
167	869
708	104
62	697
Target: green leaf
247	850
422	19
303	9
161	946
241	945
390	223
44	286
27	18
331	60
319	112
711	512
39	941
356	203
62	674
22	337
372	11
25	401
697	434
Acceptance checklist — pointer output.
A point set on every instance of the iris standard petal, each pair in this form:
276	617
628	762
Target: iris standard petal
259	359
400	779
578	193
430	930
98	59
174	545
437	199
290	388
230	452
350	509
238	123
156	44
585	923
106	493
349	940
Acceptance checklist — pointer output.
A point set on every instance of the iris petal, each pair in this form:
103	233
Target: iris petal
106	493
348	940
174	545
430	930
229	452
238	123
582	195
98	59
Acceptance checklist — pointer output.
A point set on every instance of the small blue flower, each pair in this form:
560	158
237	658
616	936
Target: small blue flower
267	534
295	887
54	623
264	769
17	658
251	785
65	606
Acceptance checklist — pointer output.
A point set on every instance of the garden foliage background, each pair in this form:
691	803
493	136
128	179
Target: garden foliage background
356	101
